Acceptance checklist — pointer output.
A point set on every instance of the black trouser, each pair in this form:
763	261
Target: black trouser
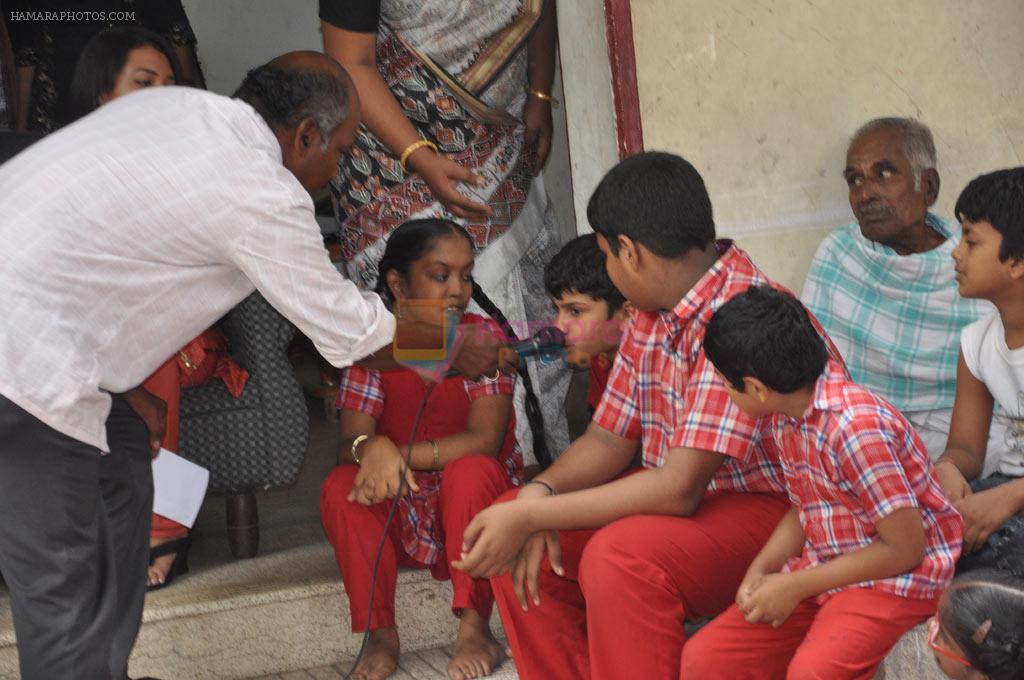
1004	547
74	543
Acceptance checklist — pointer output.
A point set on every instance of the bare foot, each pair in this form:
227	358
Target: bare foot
380	659
161	566
476	650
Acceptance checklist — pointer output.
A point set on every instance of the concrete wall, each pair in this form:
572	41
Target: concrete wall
235	35
763	96
593	146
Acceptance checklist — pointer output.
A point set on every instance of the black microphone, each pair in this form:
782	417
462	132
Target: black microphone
547	343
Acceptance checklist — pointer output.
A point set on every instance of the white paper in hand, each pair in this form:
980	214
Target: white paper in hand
179	487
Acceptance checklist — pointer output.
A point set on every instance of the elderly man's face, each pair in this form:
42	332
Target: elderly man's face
325	165
312	163
881	182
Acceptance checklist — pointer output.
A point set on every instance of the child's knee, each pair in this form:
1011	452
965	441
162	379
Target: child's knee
509	495
698	660
607	559
337	486
474	471
339	481
621	547
811	663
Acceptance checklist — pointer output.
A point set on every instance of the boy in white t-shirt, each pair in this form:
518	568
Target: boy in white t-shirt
990	265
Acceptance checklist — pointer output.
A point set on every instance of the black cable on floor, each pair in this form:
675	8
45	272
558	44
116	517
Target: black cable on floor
402	486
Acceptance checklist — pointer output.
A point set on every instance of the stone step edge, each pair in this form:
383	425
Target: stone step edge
261	595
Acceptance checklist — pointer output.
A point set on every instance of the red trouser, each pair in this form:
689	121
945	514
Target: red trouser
846	638
166	384
619	611
468	485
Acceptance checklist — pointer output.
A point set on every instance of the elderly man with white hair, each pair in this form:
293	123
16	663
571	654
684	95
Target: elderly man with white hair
884	288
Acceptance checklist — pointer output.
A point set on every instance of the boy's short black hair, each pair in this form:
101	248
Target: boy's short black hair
766	334
656	199
579	268
997	198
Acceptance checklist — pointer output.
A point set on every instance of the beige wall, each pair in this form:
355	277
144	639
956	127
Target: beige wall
762	98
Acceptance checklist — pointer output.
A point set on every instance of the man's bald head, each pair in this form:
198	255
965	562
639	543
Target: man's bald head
300	85
308	60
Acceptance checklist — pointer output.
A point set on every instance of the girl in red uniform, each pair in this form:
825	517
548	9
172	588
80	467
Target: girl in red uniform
464	456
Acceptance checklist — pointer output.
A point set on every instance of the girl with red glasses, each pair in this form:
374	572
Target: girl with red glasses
978	632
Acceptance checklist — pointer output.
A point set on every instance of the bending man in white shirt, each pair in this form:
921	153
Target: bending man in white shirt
123	236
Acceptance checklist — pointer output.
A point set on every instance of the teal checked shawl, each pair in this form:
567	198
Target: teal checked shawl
896	319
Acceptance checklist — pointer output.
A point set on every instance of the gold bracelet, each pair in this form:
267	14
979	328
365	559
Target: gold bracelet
413	148
185	360
437	454
543	96
356	442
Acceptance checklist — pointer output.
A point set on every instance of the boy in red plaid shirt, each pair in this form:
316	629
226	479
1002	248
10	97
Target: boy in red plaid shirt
631	556
871	541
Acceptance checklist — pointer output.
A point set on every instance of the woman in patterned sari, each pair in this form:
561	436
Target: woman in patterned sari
456	105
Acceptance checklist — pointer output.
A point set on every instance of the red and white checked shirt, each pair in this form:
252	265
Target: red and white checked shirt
363	390
665	392
851	461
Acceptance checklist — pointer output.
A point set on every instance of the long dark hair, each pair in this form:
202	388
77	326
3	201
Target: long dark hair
101	61
984	614
413	240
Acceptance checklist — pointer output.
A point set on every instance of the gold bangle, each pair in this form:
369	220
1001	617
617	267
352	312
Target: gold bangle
413	148
185	360
356	442
437	454
543	96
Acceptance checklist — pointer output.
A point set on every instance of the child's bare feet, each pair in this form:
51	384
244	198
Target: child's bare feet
476	650
381	657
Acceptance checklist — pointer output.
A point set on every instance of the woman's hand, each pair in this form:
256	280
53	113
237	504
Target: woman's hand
539	128
380	472
443	175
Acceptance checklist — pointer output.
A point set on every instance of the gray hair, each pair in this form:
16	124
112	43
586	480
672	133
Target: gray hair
918	143
284	97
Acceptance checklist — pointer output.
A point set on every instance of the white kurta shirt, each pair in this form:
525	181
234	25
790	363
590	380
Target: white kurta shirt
129	232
